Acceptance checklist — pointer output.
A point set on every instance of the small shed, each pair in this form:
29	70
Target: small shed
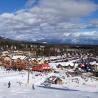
54	80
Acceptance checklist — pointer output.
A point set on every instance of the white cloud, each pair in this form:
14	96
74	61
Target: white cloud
70	8
90	34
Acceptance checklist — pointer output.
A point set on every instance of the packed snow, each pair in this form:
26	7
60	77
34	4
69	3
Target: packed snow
20	88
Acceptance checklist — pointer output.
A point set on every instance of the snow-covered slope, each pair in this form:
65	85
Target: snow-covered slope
21	89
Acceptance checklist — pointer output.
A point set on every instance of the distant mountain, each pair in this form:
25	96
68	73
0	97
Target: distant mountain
67	41
81	41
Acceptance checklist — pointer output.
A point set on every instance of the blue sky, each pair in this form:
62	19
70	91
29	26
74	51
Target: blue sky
11	5
69	21
14	5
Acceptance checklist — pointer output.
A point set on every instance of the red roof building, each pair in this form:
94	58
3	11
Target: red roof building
41	67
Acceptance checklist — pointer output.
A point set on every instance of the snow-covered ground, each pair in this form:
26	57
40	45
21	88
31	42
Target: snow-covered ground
21	89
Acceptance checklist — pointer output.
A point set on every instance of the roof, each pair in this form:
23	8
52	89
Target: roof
61	63
18	56
41	67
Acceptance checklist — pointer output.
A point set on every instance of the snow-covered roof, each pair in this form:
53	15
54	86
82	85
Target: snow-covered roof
55	57
18	56
92	63
61	63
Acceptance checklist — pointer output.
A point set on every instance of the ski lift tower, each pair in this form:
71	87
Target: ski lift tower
28	67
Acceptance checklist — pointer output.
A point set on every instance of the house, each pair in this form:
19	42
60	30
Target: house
54	80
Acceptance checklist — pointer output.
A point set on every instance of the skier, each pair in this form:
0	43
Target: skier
9	84
33	86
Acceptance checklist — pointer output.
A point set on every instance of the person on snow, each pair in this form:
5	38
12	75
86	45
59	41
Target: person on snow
9	84
33	86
